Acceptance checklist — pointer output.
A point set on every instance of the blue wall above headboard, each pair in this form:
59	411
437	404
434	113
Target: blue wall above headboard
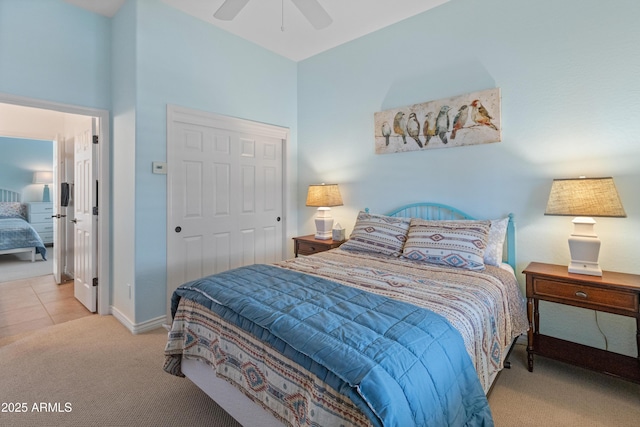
19	159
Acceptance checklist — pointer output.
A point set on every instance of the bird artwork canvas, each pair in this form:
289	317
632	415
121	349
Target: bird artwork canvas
469	119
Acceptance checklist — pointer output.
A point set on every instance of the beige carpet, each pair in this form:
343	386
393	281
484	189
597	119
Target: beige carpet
557	394
19	266
109	377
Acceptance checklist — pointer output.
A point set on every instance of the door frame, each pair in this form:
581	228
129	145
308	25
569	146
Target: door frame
177	114
104	190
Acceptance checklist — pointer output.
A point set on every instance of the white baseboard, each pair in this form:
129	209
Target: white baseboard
138	328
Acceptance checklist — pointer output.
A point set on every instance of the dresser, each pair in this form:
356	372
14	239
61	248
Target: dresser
39	215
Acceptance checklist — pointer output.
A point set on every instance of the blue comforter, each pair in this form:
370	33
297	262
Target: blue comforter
17	233
401	364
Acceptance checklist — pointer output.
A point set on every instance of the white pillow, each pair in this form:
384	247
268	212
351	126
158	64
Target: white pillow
495	244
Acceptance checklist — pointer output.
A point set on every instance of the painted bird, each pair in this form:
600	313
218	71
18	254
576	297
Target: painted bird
459	120
480	115
386	132
429	127
442	123
413	128
399	125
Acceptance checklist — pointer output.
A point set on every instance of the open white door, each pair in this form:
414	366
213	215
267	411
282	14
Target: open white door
59	213
85	216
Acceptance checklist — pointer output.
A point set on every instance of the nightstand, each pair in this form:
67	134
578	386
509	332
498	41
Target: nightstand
617	293
40	216
309	245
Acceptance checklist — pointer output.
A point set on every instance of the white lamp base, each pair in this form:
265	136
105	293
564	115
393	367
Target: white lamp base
324	224
584	246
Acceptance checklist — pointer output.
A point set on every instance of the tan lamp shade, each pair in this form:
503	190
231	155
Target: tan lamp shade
324	195
585	197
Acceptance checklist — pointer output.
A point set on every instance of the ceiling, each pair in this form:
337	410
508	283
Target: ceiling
261	21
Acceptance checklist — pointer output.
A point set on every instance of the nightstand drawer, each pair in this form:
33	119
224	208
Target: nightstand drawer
40	217
308	248
586	296
41	208
309	245
47	237
43	227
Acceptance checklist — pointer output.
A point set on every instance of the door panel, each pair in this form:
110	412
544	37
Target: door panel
59	221
225	199
85	222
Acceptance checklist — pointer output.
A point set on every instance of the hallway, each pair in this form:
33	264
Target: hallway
35	303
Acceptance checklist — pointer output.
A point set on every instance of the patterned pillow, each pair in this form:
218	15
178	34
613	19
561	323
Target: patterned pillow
12	210
452	243
495	244
378	233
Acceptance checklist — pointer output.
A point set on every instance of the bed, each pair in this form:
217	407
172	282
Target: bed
16	234
407	323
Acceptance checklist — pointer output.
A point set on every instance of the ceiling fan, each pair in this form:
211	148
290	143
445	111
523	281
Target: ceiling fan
311	9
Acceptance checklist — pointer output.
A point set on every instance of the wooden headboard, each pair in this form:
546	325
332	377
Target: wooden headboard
9	195
436	211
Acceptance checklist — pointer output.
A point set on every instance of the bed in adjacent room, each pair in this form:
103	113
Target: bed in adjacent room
407	323
16	234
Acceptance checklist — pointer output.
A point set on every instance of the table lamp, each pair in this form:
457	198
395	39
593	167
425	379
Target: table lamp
584	198
46	178
324	196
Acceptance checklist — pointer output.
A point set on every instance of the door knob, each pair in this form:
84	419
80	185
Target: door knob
278	219
75	221
178	229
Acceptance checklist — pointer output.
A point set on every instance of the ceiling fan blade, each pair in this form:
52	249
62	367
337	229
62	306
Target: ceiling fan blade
314	12
229	9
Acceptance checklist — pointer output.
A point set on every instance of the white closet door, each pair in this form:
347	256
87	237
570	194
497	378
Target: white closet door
225	195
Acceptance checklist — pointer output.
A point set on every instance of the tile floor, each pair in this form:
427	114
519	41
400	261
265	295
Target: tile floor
35	303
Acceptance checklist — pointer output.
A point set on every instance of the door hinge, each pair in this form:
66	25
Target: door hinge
95	210
95	281
95	139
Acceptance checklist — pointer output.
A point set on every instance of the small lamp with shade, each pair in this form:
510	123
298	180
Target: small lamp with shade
584	198
46	178
324	196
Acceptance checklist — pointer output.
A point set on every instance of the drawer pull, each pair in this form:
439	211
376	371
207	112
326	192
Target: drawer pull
581	294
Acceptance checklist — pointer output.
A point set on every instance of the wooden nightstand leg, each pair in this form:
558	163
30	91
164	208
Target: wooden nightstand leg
530	310
536	317
638	338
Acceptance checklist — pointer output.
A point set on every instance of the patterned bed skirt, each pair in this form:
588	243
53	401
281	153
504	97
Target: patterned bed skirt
291	393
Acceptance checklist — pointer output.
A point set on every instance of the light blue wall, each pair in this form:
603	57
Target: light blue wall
568	74
53	51
567	71
19	160
184	61
123	77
